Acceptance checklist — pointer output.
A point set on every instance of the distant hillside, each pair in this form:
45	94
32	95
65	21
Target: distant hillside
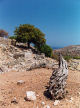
73	51
55	48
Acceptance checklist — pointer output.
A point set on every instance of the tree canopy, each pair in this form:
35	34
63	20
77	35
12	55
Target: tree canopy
27	33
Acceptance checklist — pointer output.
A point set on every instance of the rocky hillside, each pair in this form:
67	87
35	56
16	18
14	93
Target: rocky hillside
73	51
18	58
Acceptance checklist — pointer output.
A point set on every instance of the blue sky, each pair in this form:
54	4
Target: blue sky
58	19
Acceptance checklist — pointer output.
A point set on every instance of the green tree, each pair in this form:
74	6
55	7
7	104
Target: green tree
47	50
27	33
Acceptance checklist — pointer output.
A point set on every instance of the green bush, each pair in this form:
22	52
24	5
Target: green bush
67	57
76	57
3	33
70	57
12	37
47	50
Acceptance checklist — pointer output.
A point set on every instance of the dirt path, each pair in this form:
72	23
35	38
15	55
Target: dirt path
36	80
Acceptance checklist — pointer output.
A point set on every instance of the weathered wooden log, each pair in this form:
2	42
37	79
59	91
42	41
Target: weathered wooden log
57	82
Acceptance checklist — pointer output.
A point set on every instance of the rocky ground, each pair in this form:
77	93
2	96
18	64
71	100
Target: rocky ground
36	80
20	58
74	64
24	70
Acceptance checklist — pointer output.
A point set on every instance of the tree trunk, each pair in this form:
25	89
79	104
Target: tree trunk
57	82
28	45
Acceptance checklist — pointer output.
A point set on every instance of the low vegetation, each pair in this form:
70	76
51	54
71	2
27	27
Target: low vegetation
12	37
76	57
47	50
66	57
3	33
70	57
